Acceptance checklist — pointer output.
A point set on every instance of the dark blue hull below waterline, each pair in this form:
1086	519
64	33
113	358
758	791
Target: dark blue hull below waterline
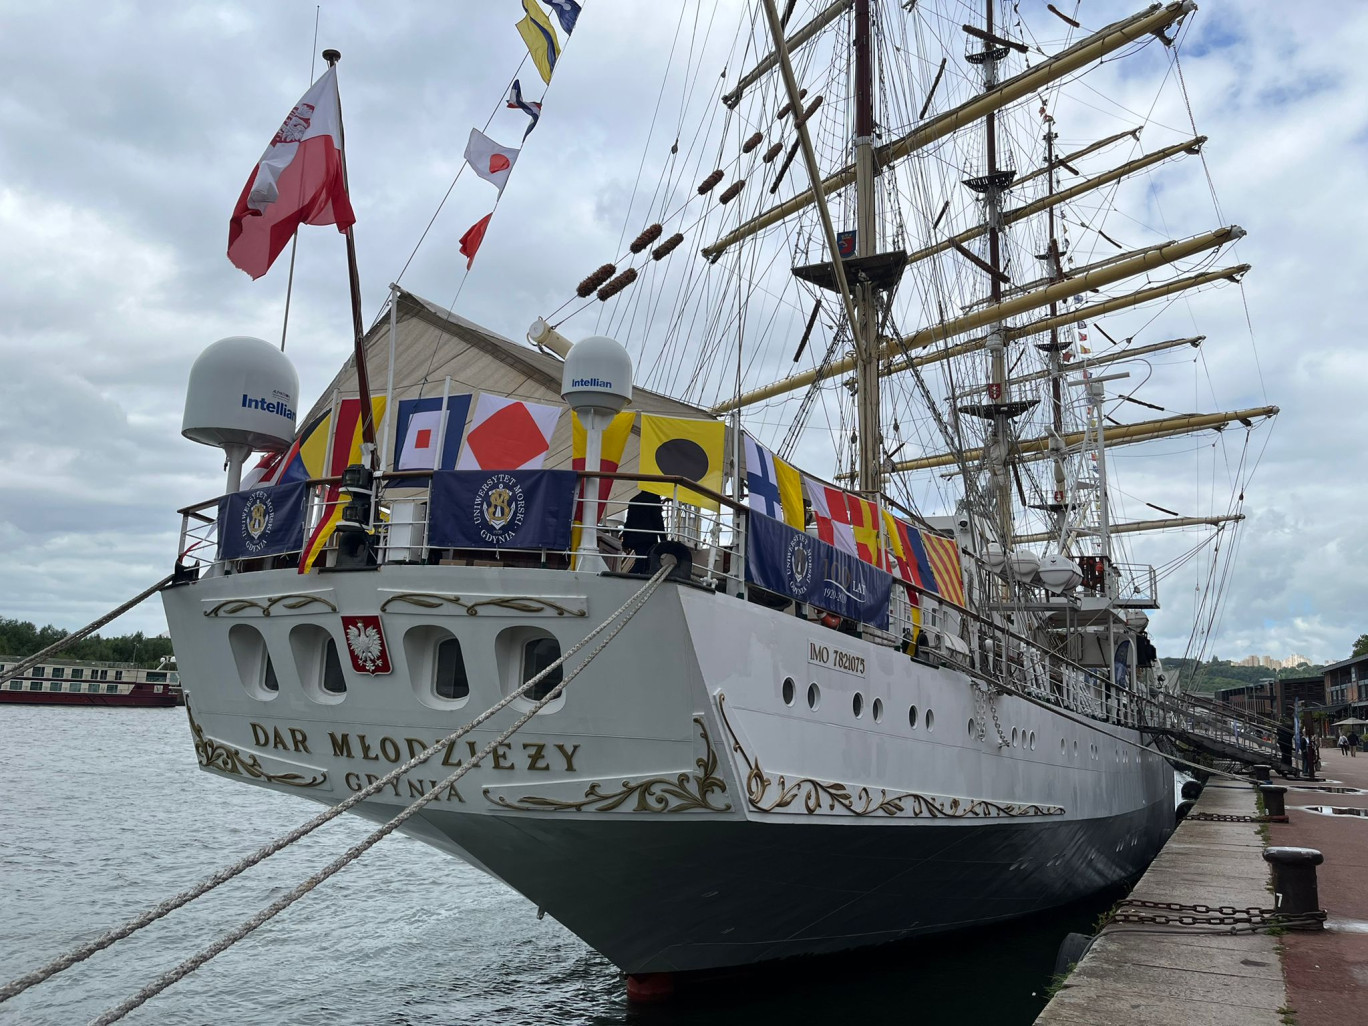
661	893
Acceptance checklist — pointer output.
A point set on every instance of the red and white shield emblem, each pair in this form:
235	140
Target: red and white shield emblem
366	644
994	392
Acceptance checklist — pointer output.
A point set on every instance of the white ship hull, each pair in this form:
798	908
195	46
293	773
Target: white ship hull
671	808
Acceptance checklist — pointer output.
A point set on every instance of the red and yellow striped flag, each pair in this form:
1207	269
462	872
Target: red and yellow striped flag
943	555
346	450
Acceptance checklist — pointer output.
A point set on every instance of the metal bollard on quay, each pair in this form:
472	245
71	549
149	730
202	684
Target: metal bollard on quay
1275	807
1294	884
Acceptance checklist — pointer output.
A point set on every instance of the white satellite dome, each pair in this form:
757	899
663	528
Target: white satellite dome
243	392
1059	573
597	377
1137	620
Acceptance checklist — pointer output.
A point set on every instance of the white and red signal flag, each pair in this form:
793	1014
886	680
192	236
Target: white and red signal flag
489	160
508	434
299	180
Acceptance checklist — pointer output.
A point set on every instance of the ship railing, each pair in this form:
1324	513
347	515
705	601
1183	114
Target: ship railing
1195	715
1137	585
935	630
401	527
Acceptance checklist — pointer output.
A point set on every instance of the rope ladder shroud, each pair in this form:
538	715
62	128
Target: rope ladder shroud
626	612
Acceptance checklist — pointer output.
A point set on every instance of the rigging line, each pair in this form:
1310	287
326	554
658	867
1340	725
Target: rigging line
83	952
650	131
663	185
627	611
503	99
1237	541
294	239
1187	102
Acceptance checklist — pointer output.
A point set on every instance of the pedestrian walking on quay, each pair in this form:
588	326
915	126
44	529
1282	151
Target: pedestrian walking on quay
1353	742
1343	743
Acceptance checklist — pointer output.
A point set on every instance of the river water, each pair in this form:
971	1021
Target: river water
105	812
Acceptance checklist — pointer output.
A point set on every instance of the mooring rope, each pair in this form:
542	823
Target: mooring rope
357	850
150	916
25	664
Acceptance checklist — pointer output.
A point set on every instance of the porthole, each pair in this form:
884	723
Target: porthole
788	690
1031	741
971	726
450	679
857	705
1063	747
317	663
436	667
1075	749
254	666
522	654
912	717
1014	737
877	710
930	719
814	696
334	681
538	654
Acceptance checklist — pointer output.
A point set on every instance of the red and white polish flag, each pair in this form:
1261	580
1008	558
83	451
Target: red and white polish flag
299	180
489	160
508	434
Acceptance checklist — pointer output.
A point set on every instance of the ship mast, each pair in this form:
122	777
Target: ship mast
870	437
1055	271
992	184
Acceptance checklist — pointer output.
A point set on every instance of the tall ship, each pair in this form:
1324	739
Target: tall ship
803	561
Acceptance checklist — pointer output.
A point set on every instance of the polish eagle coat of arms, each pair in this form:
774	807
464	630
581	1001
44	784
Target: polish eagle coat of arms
366	644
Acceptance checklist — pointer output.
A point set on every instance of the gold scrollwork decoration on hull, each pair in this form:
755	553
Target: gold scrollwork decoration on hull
688	792
231	607
227	759
770	794
516	603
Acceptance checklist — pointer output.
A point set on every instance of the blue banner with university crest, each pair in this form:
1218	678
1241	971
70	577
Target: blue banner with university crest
793	563
262	521
501	509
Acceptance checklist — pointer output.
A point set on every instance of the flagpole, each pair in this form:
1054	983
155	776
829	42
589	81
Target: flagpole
354	279
387	450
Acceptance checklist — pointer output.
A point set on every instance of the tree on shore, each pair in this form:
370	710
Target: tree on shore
1360	647
20	638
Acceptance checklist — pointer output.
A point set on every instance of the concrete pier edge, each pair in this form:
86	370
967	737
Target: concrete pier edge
1142	975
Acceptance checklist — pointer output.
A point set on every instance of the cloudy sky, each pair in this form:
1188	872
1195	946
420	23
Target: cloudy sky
127	130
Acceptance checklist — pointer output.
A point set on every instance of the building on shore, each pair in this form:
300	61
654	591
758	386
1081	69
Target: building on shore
1346	686
1276	699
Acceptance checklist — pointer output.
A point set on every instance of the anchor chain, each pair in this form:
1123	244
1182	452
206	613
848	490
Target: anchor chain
997	725
1172	913
981	707
1223	817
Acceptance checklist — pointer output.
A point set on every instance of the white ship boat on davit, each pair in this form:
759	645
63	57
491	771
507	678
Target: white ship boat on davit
901	696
